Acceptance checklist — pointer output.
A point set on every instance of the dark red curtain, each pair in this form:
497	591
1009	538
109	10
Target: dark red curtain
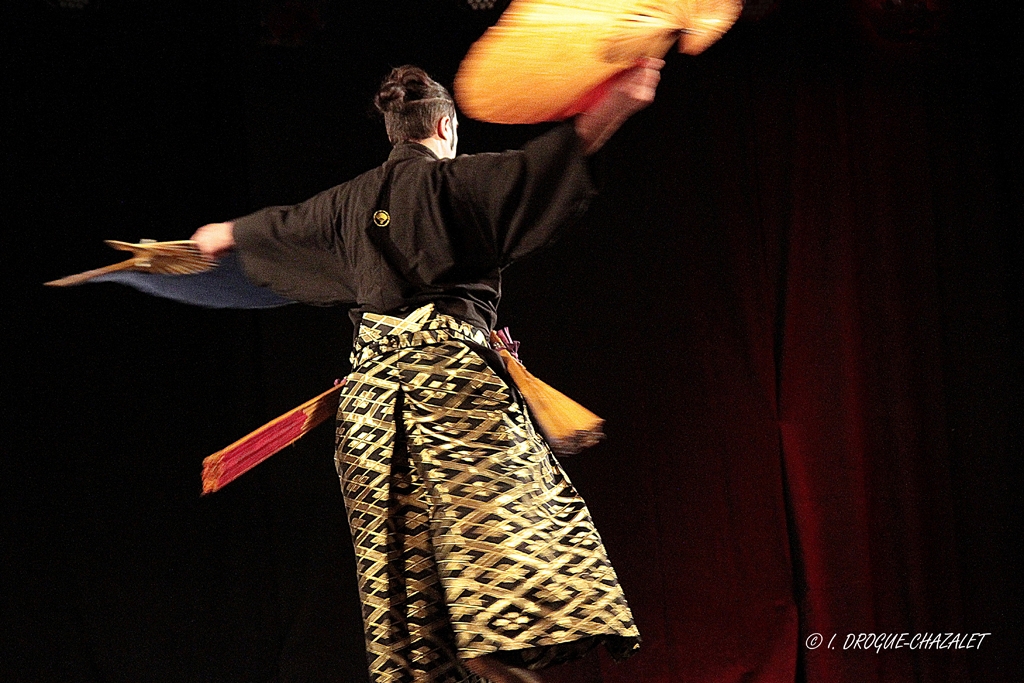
822	388
794	302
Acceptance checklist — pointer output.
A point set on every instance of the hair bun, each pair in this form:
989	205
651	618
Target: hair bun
389	98
404	84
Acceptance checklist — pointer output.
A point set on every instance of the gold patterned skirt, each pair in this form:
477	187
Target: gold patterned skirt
469	538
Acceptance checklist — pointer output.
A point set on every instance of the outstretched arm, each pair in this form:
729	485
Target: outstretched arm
294	251
630	92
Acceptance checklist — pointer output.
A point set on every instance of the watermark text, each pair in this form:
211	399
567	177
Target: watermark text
897	641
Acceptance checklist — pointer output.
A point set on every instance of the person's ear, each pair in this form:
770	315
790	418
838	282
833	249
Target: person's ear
445	128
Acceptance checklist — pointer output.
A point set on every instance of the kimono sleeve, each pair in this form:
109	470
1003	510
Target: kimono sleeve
297	251
523	199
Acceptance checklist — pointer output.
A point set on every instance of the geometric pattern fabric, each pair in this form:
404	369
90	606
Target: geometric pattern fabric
469	538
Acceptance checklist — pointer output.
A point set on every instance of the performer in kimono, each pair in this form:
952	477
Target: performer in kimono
476	558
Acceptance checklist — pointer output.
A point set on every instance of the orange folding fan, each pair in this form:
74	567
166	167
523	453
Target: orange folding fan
544	57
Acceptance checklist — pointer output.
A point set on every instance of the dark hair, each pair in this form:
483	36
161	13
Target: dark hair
412	103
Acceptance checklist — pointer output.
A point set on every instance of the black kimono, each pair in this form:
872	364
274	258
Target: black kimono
469	538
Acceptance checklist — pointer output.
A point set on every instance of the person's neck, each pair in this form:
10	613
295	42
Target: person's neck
436	145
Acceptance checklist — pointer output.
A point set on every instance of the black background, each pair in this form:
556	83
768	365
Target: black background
677	302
